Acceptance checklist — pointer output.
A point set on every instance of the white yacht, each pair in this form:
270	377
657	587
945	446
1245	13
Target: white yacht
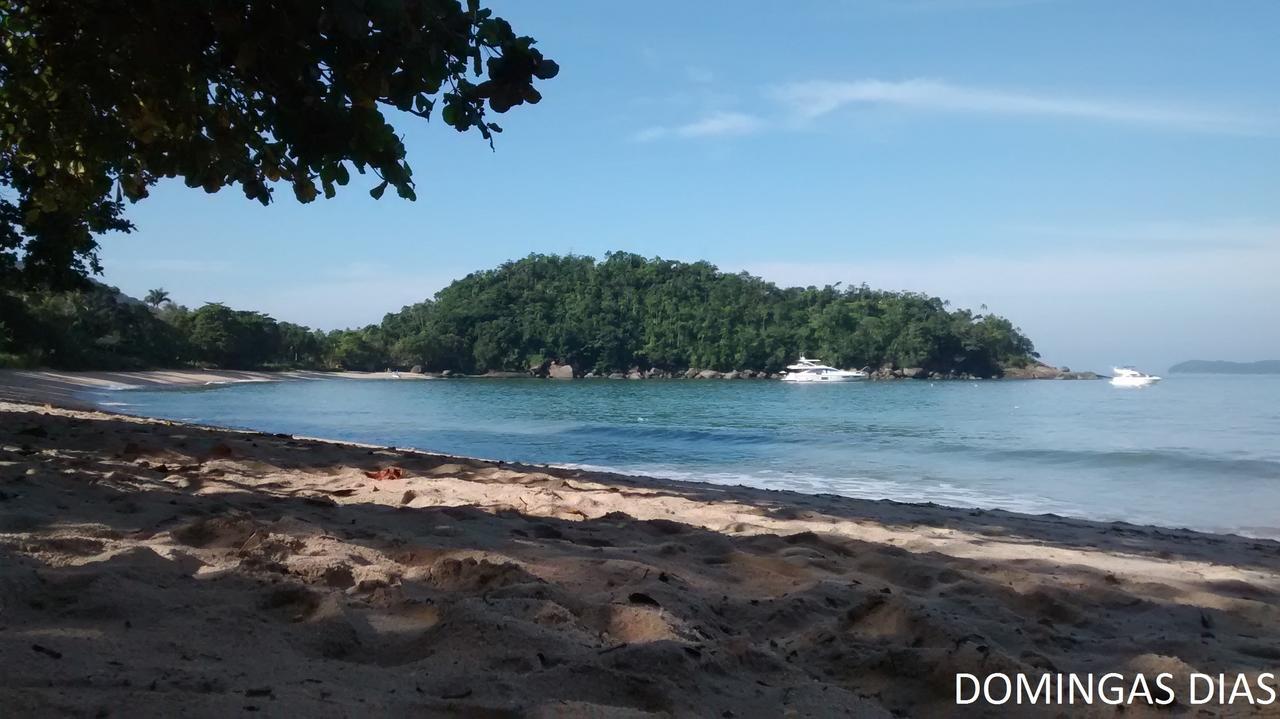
808	370
1130	377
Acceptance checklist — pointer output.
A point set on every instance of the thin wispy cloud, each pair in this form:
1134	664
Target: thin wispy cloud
812	99
716	124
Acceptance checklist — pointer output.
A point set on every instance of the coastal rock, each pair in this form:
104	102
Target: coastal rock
729	375
416	369
617	375
690	373
447	373
1038	370
560	371
635	374
914	372
1078	375
708	374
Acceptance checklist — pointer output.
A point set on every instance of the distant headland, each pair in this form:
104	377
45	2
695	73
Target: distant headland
625	315
1224	367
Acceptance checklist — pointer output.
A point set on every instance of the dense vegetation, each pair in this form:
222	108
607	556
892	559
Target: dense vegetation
100	328
622	312
1223	367
99	100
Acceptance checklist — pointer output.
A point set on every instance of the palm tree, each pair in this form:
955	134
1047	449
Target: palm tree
156	297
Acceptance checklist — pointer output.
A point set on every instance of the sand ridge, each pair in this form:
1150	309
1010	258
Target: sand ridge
170	568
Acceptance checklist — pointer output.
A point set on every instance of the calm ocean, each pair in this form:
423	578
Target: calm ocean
1194	451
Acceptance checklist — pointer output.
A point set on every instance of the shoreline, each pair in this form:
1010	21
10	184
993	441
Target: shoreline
327	577
60	389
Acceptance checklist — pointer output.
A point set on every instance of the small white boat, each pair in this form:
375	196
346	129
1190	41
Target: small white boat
1130	377
808	370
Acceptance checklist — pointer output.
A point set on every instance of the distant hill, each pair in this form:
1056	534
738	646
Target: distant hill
1221	367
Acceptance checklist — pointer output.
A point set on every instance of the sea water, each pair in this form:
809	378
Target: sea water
1194	451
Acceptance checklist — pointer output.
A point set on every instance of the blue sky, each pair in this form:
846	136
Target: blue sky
1105	174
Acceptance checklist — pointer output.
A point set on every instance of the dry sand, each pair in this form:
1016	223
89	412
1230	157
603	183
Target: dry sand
64	389
151	568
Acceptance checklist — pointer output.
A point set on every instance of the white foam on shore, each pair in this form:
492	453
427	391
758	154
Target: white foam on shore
926	492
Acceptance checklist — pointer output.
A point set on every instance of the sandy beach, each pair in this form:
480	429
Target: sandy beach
63	389
153	568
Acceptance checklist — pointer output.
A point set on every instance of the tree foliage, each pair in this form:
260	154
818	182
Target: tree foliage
622	312
100	99
156	297
628	311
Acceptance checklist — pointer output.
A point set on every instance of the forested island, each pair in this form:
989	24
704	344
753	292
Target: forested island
1223	367
623	313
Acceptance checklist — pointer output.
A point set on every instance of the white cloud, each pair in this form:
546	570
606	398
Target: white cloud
814	98
716	124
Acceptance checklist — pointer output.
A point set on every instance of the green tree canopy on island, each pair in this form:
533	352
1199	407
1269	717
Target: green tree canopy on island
605	315
100	99
630	311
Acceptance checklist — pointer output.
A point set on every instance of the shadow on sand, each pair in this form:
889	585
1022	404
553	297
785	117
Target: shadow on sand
176	569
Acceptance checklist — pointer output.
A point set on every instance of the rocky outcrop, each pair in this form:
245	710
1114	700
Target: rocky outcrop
1038	370
1041	370
553	369
1078	375
416	369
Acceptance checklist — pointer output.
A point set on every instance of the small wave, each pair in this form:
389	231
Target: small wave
857	487
643	431
1167	460
249	380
